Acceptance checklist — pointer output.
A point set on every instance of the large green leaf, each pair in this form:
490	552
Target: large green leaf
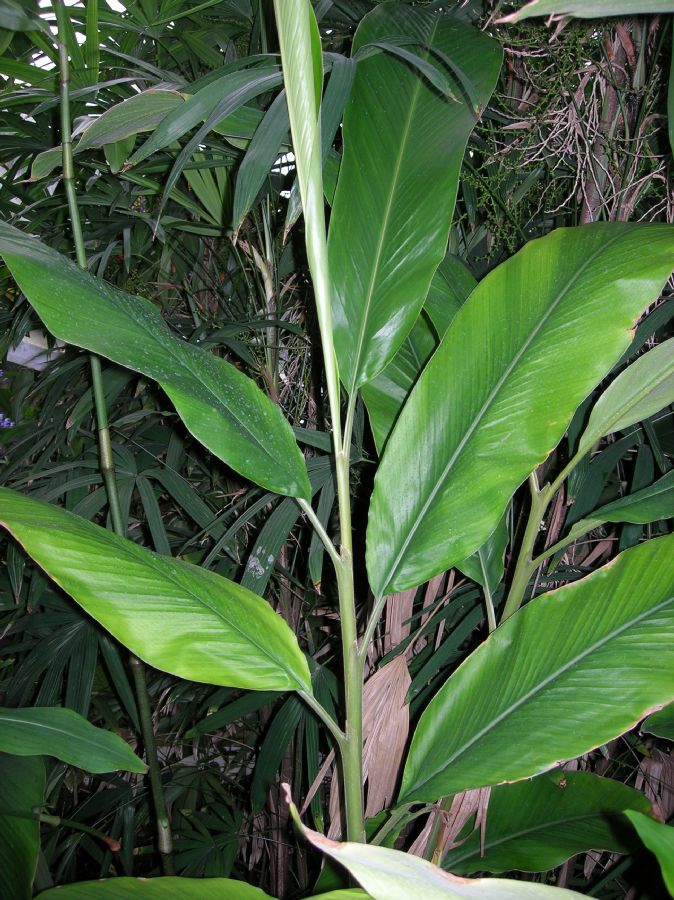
176	616
67	736
535	825
659	839
640	391
403	147
167	888
220	405
495	398
589	9
567	669
23	782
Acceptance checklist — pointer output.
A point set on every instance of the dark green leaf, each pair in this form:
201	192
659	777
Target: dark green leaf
23	783
223	408
535	825
403	147
66	735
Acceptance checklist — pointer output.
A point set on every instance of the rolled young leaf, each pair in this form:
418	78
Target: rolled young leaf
222	407
642	389
567	668
23	784
494	399
175	616
403	148
66	735
536	825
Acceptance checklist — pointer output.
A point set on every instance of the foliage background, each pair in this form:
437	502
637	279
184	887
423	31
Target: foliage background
577	131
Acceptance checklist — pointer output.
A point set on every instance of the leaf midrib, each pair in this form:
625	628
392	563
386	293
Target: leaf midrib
544	683
487	404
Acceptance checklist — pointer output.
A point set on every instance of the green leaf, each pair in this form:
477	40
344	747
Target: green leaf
260	157
659	839
232	89
388	874
589	9
403	147
647	505
536	825
494	400
177	617
486	566
67	736
576	680
142	112
45	163
661	723
220	405
117	153
640	390
670	102
167	888
15	16
386	394
23	784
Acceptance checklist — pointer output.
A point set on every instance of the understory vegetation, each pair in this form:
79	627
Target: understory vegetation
336	449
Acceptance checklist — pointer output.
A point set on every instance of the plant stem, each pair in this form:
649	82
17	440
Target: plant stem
294	21
524	567
165	837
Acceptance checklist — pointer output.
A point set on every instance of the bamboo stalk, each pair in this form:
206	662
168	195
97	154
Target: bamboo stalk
165	837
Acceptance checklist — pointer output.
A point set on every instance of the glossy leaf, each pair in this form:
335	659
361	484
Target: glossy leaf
66	735
641	390
577	680
494	400
388	874
659	839
142	112
178	617
661	723
403	147
536	825
589	9
23	784
167	888
221	406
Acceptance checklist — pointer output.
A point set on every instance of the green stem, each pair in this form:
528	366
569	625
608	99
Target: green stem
294	30
165	838
525	567
58	821
164	833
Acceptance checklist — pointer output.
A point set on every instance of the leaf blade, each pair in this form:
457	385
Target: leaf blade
571	668
176	616
445	479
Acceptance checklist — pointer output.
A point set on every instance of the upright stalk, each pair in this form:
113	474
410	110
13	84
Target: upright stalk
302	73
165	838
